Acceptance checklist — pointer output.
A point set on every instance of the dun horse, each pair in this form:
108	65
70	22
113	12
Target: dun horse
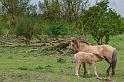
104	51
84	57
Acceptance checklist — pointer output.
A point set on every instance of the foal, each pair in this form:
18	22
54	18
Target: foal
84	57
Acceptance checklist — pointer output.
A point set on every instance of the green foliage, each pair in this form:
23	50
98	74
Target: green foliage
45	37
25	27
41	37
1	25
47	68
23	68
51	9
60	60
39	68
101	22
60	19
121	29
46	50
56	29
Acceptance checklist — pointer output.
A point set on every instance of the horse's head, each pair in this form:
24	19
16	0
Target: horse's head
77	45
73	45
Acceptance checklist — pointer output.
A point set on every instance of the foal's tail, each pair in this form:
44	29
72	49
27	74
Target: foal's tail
114	61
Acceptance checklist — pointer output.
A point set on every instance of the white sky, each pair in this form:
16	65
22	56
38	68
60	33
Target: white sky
118	5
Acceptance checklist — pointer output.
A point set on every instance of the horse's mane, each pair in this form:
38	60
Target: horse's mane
84	42
80	41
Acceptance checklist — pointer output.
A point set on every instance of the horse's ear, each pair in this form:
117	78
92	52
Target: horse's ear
76	42
73	41
68	42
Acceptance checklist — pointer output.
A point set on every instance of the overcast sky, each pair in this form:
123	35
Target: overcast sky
118	5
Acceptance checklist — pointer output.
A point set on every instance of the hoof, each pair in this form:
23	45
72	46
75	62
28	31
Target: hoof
99	78
77	75
112	74
108	79
86	75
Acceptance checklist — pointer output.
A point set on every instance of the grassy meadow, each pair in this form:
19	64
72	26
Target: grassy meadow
18	64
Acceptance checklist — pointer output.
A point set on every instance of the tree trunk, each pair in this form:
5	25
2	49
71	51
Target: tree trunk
28	40
107	39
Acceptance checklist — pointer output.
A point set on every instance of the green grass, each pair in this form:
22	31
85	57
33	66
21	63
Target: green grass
19	65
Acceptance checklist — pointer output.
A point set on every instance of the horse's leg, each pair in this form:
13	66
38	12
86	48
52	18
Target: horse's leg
85	70
94	68
77	69
108	70
113	71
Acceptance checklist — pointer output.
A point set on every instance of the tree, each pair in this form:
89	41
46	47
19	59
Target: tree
61	9
101	22
14	8
50	9
71	9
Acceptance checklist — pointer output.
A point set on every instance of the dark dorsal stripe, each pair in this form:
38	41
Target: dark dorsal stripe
97	55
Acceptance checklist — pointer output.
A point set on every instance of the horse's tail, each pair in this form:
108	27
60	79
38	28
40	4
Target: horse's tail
114	61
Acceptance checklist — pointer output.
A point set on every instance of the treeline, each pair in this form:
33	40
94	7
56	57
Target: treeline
60	18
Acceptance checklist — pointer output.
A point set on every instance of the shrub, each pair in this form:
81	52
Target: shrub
56	29
24	27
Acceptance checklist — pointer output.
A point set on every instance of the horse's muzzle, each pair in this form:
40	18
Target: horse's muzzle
72	51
